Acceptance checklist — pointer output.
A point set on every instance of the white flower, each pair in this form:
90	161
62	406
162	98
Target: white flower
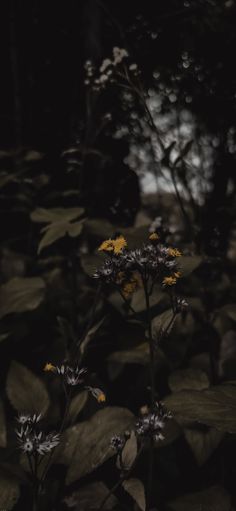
103	78
105	64
119	54
133	67
27	446
49	442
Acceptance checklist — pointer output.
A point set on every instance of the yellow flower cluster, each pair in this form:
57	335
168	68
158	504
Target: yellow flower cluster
154	236
171	281
174	252
49	367
116	246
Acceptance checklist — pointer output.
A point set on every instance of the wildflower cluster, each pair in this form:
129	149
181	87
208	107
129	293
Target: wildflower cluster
151	425
153	262
99	78
72	376
31	439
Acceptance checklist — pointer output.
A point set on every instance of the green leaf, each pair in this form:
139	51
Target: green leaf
230	310
100	229
203	443
162	323
3	431
21	295
87	444
214	498
26	392
183	379
137	355
53	233
75	229
46	216
58	230
90	335
90	497
9	493
138	301
135	488
187	264
4	336
77	404
129	451
214	407
90	262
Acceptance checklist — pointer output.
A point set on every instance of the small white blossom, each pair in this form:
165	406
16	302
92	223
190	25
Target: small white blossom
133	67
106	63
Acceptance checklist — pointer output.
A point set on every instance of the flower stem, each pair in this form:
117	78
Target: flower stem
152	381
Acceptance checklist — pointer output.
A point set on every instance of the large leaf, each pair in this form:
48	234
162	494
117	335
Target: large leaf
138	301
87	445
77	404
138	355
58	230
203	443
9	493
21	295
135	488
129	452
162	323
3	432
90	497
46	216
26	392
188	264
90	335
212	499
100	229
90	262
183	379
214	407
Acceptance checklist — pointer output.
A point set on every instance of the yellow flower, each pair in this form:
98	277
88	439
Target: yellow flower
130	286
154	236
169	281
49	367
119	244
106	246
97	393
101	398
174	252
116	246
177	274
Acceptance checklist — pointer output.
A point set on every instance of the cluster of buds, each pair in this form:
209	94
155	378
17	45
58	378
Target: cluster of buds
73	376
153	262
152	424
31	439
117	443
99	78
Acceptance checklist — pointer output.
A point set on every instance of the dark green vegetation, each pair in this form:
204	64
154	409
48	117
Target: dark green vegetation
118	119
